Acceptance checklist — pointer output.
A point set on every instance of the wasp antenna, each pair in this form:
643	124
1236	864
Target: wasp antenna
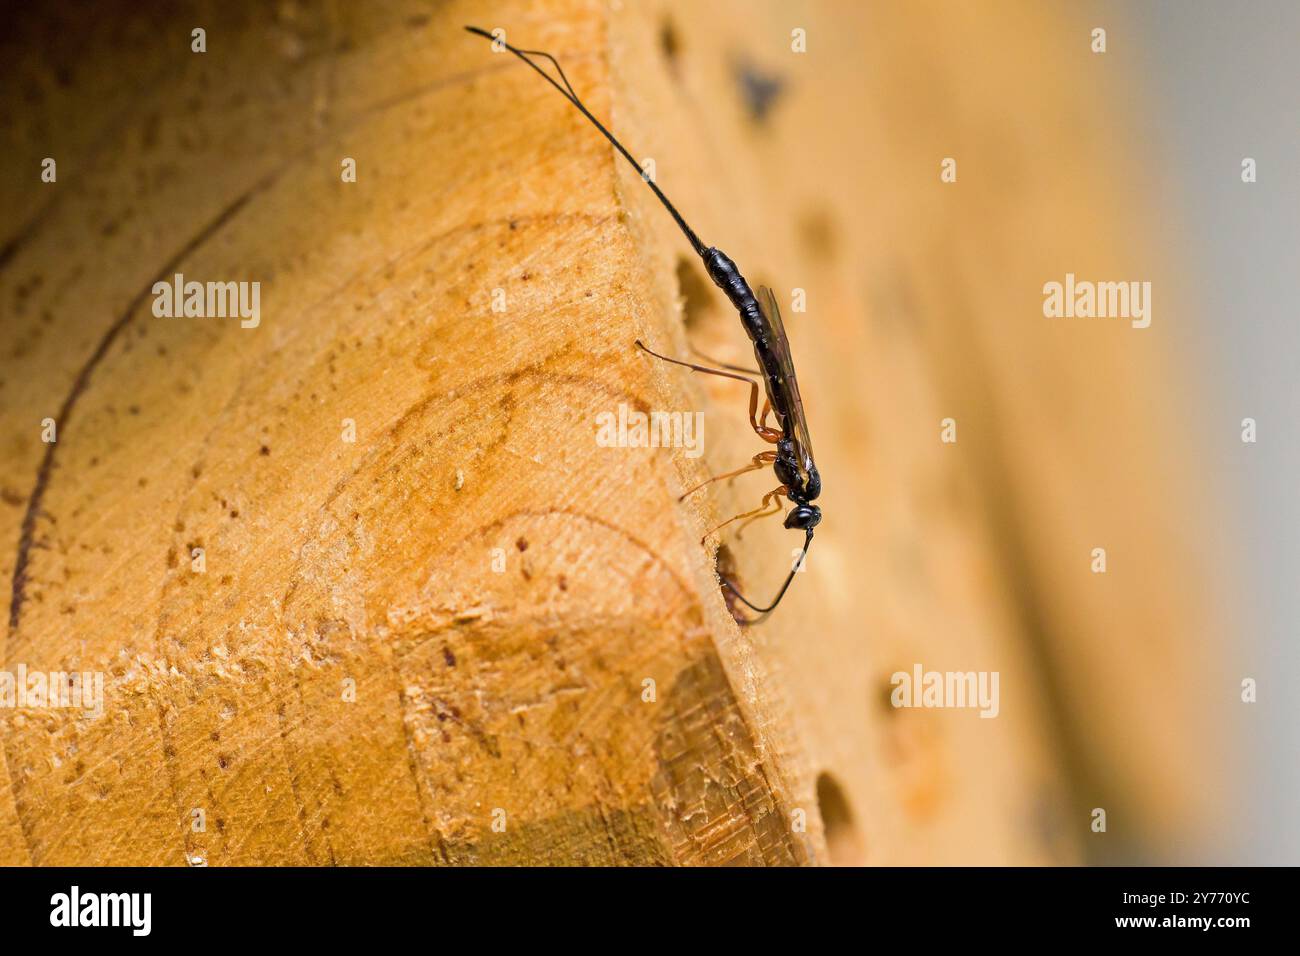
763	612
558	69
568	93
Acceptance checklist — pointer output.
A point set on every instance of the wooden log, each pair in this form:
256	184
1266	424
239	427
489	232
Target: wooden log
434	620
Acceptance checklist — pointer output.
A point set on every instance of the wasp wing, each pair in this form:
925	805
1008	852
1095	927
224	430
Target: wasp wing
789	383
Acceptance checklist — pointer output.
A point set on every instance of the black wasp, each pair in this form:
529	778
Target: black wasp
792	459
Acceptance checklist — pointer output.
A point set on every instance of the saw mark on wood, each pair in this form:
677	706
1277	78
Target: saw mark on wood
712	780
292	768
437	846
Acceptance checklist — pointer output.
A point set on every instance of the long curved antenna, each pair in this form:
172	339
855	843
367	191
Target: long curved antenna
558	69
567	92
765	611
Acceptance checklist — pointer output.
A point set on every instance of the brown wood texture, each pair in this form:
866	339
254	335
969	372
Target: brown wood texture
521	690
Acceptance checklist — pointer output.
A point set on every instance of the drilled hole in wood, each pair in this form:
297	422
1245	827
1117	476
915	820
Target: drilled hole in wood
885	698
670	44
759	89
725	566
842	837
817	234
696	292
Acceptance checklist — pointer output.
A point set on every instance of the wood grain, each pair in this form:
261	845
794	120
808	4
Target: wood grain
496	586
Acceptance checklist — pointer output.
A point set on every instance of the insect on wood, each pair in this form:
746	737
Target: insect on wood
792	458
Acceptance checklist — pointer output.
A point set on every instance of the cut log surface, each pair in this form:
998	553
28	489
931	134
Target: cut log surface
363	584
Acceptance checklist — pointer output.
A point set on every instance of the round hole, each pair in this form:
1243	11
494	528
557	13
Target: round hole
842	838
696	292
669	43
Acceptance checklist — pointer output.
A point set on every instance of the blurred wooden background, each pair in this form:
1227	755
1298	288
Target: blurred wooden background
519	695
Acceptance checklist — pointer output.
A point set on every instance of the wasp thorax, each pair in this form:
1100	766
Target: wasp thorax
804	517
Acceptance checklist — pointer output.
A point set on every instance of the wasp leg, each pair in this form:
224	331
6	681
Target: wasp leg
769	435
760	511
776	509
734	368
761	460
